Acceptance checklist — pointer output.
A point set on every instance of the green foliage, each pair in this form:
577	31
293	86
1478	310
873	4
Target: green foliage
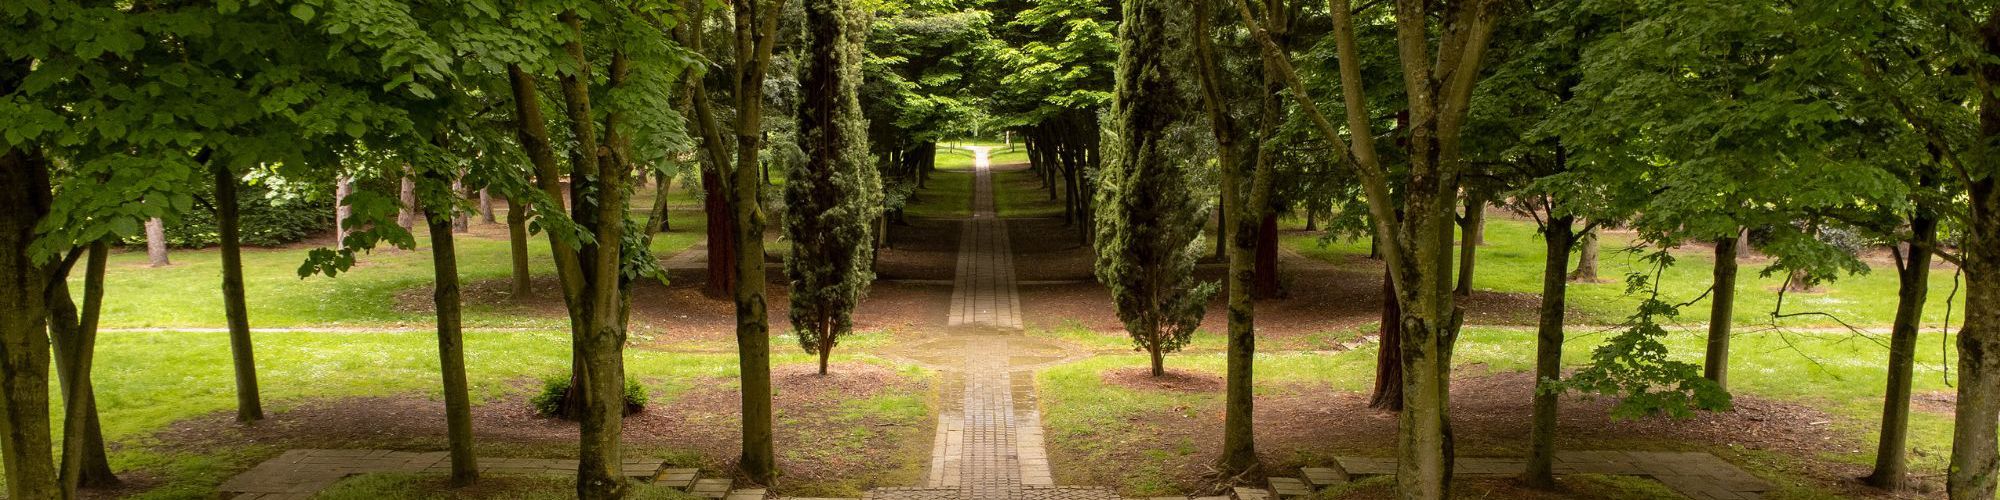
555	388
835	197
1634	364
269	217
1149	218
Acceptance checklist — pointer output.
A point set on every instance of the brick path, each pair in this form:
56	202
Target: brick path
989	446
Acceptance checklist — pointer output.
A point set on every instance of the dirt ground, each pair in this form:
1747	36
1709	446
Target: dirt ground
1304	425
696	427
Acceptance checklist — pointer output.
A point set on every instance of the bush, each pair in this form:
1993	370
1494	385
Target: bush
549	402
269	218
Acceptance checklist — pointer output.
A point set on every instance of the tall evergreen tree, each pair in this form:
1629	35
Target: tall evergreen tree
834	198
1150	218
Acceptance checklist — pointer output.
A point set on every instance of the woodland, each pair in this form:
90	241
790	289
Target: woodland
1247	236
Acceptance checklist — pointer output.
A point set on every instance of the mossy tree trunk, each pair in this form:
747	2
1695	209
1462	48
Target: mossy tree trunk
1721	312
24	342
1913	272
1558	235
74	332
451	348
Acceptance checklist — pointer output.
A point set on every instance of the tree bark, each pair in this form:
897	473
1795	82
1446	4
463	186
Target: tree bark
1388	394
248	405
342	187
656	218
1586	259
486	207
66	329
1267	284
721	235
24	342
460	221
1721	312
1471	229
451	351
517	246
406	196
156	243
1912	290
1557	236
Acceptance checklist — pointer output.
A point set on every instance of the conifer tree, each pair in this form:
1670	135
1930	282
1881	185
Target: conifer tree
835	197
1150	217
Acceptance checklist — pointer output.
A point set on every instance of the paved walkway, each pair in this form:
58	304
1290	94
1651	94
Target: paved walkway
990	445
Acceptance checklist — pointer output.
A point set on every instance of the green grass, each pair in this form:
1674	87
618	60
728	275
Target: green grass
1019	193
145	381
948	194
1511	261
187	294
1839	374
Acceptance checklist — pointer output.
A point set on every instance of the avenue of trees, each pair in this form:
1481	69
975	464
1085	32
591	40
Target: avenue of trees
1791	129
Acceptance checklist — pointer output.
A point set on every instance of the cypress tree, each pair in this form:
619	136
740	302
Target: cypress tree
1150	219
836	195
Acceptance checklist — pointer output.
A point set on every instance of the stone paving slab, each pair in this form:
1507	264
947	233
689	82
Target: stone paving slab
1699	475
1289	487
747	494
713	487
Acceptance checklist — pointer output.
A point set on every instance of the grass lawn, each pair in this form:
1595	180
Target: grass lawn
186	294
1088	418
1511	261
1019	193
947	195
146	381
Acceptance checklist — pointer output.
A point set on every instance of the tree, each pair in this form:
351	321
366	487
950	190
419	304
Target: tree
1417	242
835	197
1149	219
248	406
1242	215
755	25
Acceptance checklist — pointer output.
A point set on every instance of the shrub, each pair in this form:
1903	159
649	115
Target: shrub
549	402
269	218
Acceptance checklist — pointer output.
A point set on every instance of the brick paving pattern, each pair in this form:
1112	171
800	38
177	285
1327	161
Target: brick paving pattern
1699	475
990	446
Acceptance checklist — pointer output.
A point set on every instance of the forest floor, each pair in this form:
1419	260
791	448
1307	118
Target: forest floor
361	368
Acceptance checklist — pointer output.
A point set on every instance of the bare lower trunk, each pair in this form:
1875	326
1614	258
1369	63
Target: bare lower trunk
156	242
461	222
248	405
656	219
1556	237
1471	230
517	243
342	186
721	236
1912	290
486	207
407	197
1388	394
1586	259
1266	284
24	341
451	353
1721	312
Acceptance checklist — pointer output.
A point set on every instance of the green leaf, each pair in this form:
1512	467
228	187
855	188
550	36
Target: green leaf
303	12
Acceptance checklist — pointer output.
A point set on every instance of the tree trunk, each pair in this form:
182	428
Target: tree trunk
342	187
461	222
1471	229
451	352
248	405
721	235
1721	312
407	198
517	243
656	219
24	341
1912	290
486	207
1557	236
156	242
1388	394
1267	286
1586	259
83	462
